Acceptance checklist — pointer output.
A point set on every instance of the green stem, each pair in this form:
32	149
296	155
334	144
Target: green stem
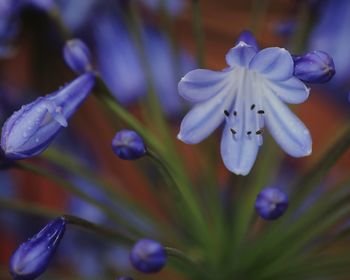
315	175
28	208
69	187
198	32
175	165
115	234
178	254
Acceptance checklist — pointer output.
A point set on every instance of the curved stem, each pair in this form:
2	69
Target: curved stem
76	191
116	234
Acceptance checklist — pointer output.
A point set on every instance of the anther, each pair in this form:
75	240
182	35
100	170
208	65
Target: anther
233	131
252	107
235	113
259	132
261	112
226	113
249	132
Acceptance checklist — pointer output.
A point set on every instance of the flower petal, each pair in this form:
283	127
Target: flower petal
240	55
291	91
204	118
274	63
201	84
238	155
288	131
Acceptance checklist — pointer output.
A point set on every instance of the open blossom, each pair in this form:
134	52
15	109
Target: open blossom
247	96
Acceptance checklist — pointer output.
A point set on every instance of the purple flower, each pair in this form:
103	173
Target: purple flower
77	56
148	256
128	145
247	95
314	67
33	256
30	130
271	203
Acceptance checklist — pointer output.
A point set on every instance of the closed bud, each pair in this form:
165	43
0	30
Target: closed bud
31	129
128	145
271	203
314	67
148	256
77	56
32	257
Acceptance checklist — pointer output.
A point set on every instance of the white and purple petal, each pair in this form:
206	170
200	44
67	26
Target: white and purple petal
291	91
287	130
201	84
240	55
238	154
273	63
205	117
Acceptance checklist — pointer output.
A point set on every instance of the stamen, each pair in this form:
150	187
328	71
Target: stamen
259	132
261	112
233	131
249	133
226	113
252	107
235	113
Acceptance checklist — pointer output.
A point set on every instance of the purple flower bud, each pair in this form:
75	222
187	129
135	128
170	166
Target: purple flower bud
148	256
77	56
33	256
271	203
31	129
128	145
314	67
247	37
124	278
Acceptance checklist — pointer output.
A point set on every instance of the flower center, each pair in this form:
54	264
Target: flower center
245	116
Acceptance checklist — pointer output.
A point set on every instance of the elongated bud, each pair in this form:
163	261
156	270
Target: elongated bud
271	203
247	37
148	256
128	145
314	67
32	257
77	56
31	129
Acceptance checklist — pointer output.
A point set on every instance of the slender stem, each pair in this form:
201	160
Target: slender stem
303	20
314	176
116	234
175	165
76	191
28	208
176	253
198	32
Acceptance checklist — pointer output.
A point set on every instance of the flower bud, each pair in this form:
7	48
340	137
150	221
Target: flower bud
247	37
77	56
271	203
314	67
33	256
148	256
124	278
128	145
30	130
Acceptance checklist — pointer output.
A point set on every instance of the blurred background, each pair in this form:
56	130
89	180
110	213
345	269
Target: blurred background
32	34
